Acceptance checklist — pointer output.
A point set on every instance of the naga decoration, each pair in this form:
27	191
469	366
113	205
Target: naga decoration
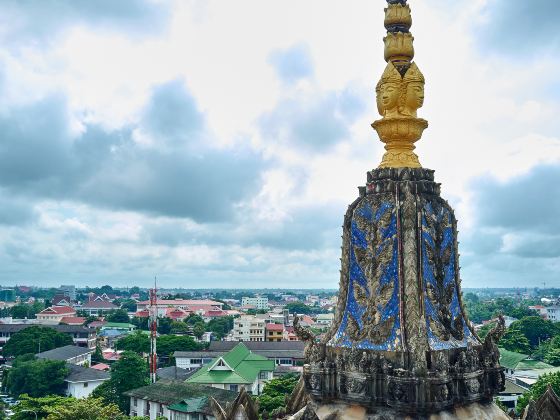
401	339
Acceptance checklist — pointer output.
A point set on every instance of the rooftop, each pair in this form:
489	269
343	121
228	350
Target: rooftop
59	310
83	374
258	345
64	353
174	372
98	304
241	367
175	392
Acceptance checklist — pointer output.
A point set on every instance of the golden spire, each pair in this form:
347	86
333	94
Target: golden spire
400	92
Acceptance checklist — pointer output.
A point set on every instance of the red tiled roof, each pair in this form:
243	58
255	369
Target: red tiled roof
72	320
101	366
144	313
188	302
58	310
275	327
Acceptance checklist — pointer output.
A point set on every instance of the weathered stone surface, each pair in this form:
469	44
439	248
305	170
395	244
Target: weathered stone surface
401	339
475	411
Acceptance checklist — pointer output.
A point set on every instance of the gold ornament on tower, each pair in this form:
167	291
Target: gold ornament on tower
400	93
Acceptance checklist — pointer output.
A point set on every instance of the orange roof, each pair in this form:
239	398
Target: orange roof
59	310
73	320
274	327
101	366
188	302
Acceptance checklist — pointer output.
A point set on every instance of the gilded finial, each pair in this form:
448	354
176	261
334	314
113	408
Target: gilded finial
400	92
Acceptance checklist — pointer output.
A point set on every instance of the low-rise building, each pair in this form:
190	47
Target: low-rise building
238	368
176	400
274	332
74	355
55	313
82	381
97	307
82	336
259	302
553	313
248	328
325	319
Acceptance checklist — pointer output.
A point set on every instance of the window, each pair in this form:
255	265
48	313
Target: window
234	388
263	374
196	361
135	402
86	384
221	363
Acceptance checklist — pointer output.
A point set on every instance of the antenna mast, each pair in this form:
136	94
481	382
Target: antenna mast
153	331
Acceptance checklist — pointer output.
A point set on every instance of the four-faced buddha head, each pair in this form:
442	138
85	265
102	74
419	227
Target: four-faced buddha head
399	96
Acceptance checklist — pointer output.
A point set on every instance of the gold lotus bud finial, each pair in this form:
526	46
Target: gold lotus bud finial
399	92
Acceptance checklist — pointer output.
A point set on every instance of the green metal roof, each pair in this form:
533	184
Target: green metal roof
244	364
518	361
190	405
118	325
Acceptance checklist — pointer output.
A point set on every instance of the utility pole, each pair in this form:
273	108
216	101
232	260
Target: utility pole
153	331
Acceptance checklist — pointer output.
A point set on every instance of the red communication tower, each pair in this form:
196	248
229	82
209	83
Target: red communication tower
153	333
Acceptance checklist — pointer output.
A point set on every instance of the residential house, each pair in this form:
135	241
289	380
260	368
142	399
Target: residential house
75	355
173	373
284	353
325	320
82	381
176	400
274	332
120	327
54	314
61	299
186	304
248	328
553	313
82	336
238	368
191	360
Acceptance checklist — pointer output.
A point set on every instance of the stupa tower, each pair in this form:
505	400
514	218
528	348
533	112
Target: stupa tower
401	343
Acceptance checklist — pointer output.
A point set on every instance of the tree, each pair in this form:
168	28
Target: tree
37	378
26	311
199	329
129	305
164	325
97	355
514	340
66	408
137	342
220	326
193	319
129	372
535	329
538	389
34	340
298	308
141	323
168	344
118	315
275	391
178	327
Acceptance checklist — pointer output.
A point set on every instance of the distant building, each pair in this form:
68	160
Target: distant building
7	295
258	302
176	400
73	320
248	328
75	355
82	336
68	290
238	368
325	319
553	313
55	313
97	307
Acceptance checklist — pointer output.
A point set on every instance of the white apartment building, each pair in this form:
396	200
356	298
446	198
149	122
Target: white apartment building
258	302
248	328
553	313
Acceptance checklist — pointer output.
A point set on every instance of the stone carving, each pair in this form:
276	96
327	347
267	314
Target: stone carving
490	352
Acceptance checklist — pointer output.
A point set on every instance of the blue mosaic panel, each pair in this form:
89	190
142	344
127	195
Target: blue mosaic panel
443	251
388	313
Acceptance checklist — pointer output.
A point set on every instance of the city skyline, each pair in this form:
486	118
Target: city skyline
219	144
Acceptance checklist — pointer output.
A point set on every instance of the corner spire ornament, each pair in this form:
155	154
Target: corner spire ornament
400	92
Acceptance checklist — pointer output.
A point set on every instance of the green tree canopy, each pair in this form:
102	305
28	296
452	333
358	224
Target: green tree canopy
538	389
66	408
168	344
514	340
35	340
118	315
25	310
298	308
129	372
535	329
220	326
37	378
275	391
179	327
137	342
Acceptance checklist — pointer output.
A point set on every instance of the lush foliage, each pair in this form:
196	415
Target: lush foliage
37	378
66	408
299	308
129	372
23	310
538	389
535	329
118	315
275	392
515	340
34	340
479	311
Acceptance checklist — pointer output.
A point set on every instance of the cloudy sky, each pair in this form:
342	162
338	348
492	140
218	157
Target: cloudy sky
217	143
